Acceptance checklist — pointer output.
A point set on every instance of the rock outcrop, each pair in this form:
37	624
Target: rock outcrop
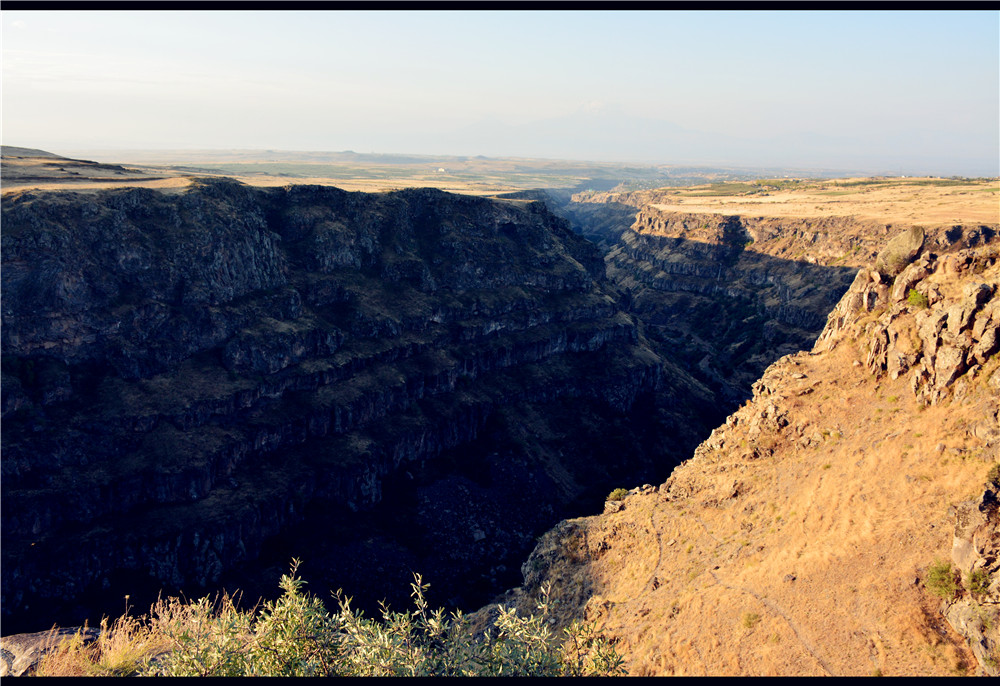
195	384
935	320
975	613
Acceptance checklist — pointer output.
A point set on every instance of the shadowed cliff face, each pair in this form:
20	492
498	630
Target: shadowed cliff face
602	223
721	295
198	386
723	312
724	296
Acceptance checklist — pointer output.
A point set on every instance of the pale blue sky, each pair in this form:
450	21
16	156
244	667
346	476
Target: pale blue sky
917	92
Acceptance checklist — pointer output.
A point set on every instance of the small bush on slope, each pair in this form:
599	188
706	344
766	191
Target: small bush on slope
617	494
918	300
993	476
978	582
941	579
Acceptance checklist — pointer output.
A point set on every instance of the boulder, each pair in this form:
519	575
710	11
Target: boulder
20	653
929	328
961	314
899	252
949	364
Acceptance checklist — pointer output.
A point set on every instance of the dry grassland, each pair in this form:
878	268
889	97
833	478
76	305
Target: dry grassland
173	170
809	561
904	201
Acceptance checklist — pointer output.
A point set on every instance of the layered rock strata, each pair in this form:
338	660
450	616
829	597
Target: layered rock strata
729	295
193	379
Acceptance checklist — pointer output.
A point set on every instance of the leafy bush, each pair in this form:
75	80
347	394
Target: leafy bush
295	636
941	579
917	299
618	494
977	581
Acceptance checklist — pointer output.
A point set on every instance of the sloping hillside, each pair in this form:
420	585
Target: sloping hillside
798	539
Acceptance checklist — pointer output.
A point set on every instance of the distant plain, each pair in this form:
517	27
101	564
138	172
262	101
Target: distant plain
762	192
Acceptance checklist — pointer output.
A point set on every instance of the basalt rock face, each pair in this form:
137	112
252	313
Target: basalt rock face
195	381
728	295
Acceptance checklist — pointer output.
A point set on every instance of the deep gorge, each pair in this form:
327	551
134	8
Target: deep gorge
199	386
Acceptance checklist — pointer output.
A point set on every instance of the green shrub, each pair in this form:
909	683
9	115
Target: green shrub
750	619
977	581
917	299
295	636
941	579
618	494
993	476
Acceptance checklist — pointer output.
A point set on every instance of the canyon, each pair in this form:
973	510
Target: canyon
199	383
801	536
202	382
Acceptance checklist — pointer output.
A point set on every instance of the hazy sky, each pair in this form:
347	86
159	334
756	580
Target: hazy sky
892	91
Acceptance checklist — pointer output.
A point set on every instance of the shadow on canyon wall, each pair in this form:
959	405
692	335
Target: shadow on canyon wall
197	388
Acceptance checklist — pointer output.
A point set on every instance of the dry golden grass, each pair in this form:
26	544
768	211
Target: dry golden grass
171	184
46	173
127	645
376	185
33	178
464	176
888	200
908	201
799	550
120	650
815	565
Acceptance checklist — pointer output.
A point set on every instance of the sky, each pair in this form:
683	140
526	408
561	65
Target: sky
886	92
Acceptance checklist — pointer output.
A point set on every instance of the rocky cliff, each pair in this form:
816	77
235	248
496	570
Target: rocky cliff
722	295
199	385
728	295
800	536
602	222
